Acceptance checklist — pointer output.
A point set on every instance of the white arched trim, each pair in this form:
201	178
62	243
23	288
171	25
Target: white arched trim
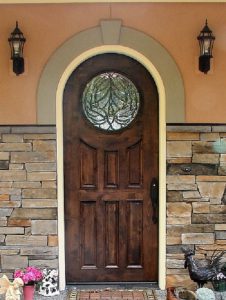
162	151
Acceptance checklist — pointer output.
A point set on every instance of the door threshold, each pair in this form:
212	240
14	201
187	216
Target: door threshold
114	285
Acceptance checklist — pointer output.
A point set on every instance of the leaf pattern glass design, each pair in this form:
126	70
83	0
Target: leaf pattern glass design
110	101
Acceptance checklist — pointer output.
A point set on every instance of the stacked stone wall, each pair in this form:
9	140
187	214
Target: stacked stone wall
28	202
196	199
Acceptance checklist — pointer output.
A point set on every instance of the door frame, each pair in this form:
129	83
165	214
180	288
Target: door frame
162	153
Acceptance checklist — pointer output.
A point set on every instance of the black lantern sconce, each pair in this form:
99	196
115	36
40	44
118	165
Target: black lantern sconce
16	42
206	40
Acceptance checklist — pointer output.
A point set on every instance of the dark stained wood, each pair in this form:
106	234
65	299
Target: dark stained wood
109	233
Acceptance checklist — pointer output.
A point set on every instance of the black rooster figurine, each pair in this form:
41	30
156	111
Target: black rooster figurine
202	271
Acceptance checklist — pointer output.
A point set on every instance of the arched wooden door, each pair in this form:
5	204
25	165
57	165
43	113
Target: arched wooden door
110	112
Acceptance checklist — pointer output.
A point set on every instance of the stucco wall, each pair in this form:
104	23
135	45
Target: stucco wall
46	27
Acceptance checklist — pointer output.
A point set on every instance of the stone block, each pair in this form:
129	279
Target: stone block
177	271
180	280
218	209
39	193
211	189
42	136
15	147
3	221
47	263
52	240
29	240
2	238
182	136
11	230
219	128
223	158
16	167
197	238
179	160
25	157
220	242
13	175
188	128
44	146
220	227
39	203
43	227
27	184
173	240
12	262
5	129
12	138
21	222
34	129
8	204
208	218
178	210
209	147
211	178
180	179
174	196
49	184
4	155
175	251
178	220
9	250
192	169
4	197
222	170
5	184
34	213
210	136
5	212
10	191
4	165
212	247
33	251
175	230
191	195
37	167
221	235
175	263
15	198
205	158
179	149
41	176
203	208
182	187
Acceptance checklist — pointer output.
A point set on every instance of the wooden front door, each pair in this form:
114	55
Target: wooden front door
110	111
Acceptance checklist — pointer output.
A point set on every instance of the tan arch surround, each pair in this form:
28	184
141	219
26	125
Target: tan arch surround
109	37
111	32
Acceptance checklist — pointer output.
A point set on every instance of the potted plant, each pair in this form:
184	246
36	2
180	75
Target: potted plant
30	276
219	282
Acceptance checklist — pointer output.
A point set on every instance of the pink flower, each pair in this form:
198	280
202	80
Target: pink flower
29	275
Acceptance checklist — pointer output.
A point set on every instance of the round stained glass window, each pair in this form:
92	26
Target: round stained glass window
110	101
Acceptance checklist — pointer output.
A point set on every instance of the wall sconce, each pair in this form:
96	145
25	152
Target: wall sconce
16	42
206	40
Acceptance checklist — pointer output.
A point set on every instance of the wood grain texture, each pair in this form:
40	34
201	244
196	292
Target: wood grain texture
109	233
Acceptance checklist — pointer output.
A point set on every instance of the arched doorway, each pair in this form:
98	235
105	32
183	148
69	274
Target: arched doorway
148	52
110	117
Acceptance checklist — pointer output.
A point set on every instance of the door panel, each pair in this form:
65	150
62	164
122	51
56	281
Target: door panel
109	232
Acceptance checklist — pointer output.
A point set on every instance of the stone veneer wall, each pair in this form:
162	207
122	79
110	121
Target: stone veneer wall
28	204
196	198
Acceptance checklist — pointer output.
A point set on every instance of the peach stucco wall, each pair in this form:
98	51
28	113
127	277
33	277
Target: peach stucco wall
174	25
